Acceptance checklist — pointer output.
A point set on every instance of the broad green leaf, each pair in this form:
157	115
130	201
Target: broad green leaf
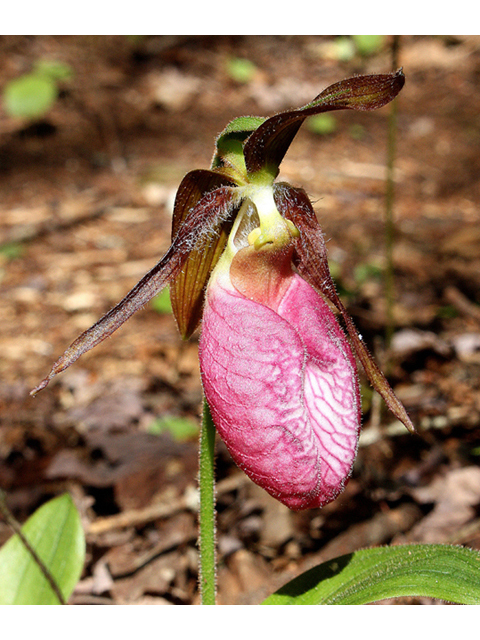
29	96
55	533
435	571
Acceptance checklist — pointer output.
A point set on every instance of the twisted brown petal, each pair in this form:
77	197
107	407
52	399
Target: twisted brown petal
187	287
193	234
266	146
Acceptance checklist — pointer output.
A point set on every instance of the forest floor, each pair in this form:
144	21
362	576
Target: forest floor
85	211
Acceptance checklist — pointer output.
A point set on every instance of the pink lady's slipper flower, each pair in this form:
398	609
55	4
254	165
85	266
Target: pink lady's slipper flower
248	259
277	370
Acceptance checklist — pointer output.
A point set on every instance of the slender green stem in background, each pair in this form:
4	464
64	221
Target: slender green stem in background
207	508
389	221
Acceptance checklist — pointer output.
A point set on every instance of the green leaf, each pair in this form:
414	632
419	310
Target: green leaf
11	250
55	533
241	70
343	48
161	303
29	96
368	45
323	124
181	429
448	311
54	69
435	571
229	145
357	131
242	127
367	271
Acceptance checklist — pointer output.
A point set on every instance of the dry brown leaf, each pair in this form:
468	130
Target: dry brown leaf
455	495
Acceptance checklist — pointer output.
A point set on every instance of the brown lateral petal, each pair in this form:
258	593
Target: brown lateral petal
267	145
187	288
193	187
312	265
212	210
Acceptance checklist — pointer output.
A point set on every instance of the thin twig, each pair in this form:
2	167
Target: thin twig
462	303
15	525
158	510
137	517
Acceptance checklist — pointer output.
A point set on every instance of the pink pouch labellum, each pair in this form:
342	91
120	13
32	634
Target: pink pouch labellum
283	391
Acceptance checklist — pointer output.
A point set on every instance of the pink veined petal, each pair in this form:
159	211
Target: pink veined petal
283	392
331	392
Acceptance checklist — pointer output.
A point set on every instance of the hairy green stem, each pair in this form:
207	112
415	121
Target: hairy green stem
207	568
